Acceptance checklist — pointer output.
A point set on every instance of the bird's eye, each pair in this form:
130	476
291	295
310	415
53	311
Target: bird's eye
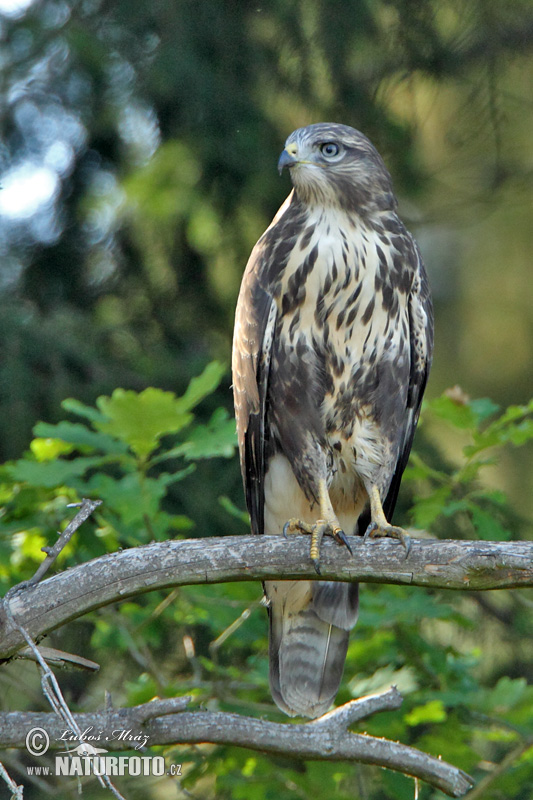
329	149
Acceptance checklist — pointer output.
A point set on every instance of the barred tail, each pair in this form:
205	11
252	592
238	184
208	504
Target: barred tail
309	631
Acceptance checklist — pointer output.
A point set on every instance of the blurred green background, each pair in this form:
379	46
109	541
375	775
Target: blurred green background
138	154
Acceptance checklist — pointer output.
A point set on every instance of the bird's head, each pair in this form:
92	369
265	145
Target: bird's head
335	165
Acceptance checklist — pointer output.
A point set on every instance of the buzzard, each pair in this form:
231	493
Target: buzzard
332	347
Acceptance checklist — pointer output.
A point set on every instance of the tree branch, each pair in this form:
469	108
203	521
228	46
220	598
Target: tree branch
444	564
325	739
86	509
32	609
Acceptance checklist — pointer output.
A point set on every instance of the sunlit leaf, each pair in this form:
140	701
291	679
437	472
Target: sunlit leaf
80	435
49	449
433	711
141	419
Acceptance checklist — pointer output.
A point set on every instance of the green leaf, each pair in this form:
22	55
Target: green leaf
512	426
456	507
81	410
51	473
166	478
49	449
511	414
433	711
29	546
487	526
427	509
133	497
216	439
483	408
507	693
482	441
81	436
521	433
142	690
202	385
234	511
140	420
495	496
458	414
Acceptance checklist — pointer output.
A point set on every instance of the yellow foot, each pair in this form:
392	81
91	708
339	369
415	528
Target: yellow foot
375	530
317	530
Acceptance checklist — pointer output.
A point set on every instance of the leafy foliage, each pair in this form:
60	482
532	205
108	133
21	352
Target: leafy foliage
157	132
455	498
117	457
464	700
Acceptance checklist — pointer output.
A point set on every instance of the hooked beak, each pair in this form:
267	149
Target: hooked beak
287	158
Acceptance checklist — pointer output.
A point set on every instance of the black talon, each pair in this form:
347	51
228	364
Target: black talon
316	565
341	536
372	527
285	528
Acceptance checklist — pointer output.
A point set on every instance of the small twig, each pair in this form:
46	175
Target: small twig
17	791
49	684
43	788
480	791
53	693
161	708
356	710
58	658
86	509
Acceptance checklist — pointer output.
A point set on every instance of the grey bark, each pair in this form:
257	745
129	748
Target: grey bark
326	739
38	608
443	564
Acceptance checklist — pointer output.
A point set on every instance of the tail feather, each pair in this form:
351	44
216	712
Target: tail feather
307	649
336	603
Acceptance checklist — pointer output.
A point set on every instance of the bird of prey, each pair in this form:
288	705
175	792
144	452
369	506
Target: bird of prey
332	347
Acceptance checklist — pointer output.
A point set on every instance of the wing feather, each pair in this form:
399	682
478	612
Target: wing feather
421	352
253	340
252	347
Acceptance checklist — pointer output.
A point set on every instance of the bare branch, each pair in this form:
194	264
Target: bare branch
325	739
16	791
86	509
356	710
480	791
49	684
448	564
58	658
31	610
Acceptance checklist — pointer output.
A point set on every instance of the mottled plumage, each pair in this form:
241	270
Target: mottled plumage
332	346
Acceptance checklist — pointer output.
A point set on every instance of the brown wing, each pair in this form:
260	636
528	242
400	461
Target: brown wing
253	339
255	320
421	351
